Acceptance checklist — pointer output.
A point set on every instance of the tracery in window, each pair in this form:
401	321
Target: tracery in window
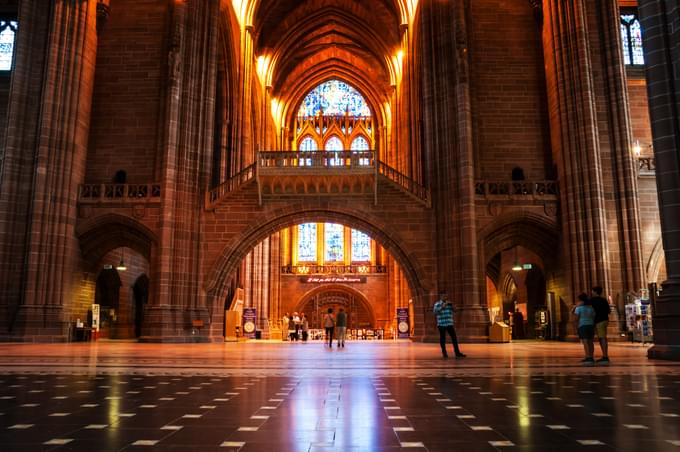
361	144
361	246
8	30
307	242
334	144
308	144
631	38
334	242
334	97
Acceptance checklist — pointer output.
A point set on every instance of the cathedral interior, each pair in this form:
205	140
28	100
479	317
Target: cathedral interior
165	163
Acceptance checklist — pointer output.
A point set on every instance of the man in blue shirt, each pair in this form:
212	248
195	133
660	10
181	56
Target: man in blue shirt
443	311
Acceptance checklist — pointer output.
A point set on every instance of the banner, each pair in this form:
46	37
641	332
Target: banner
403	327
249	322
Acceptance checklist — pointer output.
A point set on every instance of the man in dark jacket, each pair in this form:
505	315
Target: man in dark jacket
601	307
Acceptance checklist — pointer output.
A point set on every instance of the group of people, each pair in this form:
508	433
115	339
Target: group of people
592	315
333	323
296	324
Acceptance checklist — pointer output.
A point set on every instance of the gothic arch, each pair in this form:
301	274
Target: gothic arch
656	258
104	233
232	254
534	232
304	299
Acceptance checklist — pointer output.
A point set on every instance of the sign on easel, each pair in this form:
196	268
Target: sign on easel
403	326
95	317
249	322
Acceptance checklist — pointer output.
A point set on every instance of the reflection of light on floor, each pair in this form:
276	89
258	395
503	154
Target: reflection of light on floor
524	407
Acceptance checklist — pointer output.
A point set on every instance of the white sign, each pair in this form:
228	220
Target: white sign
95	317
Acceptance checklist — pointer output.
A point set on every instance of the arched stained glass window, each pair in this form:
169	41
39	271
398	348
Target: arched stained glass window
334	144
8	29
361	247
359	144
307	242
308	144
334	98
334	242
631	37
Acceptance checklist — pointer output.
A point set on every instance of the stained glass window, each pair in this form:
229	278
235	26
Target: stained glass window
361	144
307	144
334	242
334	98
631	38
334	144
307	242
361	247
8	29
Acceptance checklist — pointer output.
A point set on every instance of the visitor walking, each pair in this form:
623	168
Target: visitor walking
443	311
329	325
305	327
585	317
284	326
341	325
602	310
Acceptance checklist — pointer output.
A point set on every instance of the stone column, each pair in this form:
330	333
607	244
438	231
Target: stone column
660	25
447	140
180	298
575	143
45	158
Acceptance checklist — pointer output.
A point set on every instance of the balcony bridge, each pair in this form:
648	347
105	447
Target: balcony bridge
318	173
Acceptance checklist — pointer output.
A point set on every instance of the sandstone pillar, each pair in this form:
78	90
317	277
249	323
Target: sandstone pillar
660	24
44	164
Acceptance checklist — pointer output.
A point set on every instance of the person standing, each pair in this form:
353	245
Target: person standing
284	326
305	327
585	316
443	311
341	325
602	311
329	325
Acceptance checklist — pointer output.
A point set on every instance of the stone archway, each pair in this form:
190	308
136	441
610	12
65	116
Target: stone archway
229	259
315	302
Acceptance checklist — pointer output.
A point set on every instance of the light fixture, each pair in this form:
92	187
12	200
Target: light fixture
517	267
121	265
637	149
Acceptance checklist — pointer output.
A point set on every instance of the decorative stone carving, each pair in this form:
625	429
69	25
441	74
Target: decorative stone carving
550	209
84	211
138	211
495	208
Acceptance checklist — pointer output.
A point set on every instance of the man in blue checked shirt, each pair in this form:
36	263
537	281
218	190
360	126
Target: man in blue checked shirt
443	311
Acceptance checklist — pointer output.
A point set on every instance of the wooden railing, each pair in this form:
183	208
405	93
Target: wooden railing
213	195
314	160
516	188
96	193
313	269
409	185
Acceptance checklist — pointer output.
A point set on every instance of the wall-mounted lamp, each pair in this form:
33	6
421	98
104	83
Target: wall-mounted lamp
637	149
517	267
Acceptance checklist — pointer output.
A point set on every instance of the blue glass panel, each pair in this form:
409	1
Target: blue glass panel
359	144
307	242
308	144
334	240
334	144
334	98
636	42
624	41
361	247
7	34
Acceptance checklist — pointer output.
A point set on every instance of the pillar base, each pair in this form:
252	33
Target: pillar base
171	324
669	352
34	323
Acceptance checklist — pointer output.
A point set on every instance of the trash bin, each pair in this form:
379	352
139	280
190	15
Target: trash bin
499	332
258	334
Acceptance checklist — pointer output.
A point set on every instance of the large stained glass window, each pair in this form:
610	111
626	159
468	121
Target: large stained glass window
361	247
334	98
307	242
631	37
334	242
8	29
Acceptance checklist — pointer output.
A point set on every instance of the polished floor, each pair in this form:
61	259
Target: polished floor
369	396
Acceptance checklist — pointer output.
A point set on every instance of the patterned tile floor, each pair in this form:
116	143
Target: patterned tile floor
111	396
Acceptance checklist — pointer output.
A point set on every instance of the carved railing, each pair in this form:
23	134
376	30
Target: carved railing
314	269
646	165
516	188
213	195
408	184
314	160
98	193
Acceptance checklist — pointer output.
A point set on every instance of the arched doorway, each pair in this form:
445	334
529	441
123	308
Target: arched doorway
315	305
107	296
140	291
